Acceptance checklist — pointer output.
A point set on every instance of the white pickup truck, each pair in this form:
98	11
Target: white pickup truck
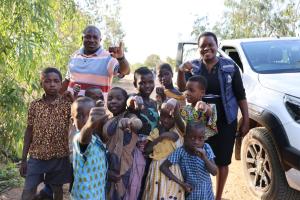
270	152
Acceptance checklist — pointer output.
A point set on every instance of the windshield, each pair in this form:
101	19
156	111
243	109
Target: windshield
277	56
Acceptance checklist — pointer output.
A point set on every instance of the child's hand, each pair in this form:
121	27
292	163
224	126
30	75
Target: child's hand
186	67
68	95
76	89
202	106
201	153
160	94
100	103
124	124
187	187
131	124
23	168
170	106
97	116
138	103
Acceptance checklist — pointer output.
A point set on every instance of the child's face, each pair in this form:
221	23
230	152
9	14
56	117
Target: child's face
95	94
166	120
80	114
195	139
165	77
51	83
194	92
145	84
116	102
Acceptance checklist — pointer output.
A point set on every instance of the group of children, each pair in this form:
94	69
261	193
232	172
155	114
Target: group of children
141	149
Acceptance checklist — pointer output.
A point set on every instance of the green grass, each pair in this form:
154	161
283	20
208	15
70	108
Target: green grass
9	176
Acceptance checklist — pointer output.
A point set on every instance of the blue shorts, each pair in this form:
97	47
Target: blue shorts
56	171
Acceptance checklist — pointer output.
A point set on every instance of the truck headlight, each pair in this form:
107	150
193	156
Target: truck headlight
292	105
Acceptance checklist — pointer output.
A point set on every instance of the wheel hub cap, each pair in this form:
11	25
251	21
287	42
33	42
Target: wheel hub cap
258	166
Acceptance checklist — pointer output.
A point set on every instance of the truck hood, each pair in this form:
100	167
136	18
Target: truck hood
288	83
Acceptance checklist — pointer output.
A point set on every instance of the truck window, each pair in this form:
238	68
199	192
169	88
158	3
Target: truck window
234	55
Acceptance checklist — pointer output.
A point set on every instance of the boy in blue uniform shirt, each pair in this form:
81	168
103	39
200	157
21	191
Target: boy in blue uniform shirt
89	153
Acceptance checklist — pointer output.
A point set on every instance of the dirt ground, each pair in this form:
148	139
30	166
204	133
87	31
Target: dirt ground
235	188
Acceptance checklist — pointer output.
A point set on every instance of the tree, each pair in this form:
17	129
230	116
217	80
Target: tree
34	34
171	61
200	25
135	66
152	61
105	13
257	18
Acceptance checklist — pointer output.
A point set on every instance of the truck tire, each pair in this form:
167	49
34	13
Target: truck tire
264	174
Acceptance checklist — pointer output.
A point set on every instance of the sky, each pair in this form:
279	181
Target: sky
156	26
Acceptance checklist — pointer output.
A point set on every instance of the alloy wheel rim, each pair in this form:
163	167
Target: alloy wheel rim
258	167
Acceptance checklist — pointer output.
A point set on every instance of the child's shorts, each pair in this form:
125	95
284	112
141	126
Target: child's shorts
55	171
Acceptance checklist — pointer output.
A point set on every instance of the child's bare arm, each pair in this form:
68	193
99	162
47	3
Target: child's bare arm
210	164
173	107
166	135
27	142
97	115
165	169
178	119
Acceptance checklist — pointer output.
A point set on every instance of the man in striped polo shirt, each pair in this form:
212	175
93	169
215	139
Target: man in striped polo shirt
93	66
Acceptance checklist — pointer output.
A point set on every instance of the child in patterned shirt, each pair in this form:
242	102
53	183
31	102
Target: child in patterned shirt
196	161
196	110
89	153
46	139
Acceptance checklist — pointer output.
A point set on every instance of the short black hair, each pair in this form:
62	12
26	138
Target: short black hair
125	94
208	34
89	27
201	80
193	124
51	70
165	66
91	89
141	71
83	100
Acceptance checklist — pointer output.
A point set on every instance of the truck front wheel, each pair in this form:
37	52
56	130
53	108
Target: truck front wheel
262	168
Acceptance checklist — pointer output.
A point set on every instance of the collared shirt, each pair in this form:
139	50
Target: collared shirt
194	172
50	122
96	70
90	168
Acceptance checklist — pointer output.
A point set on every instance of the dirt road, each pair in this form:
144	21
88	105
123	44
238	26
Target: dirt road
235	188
